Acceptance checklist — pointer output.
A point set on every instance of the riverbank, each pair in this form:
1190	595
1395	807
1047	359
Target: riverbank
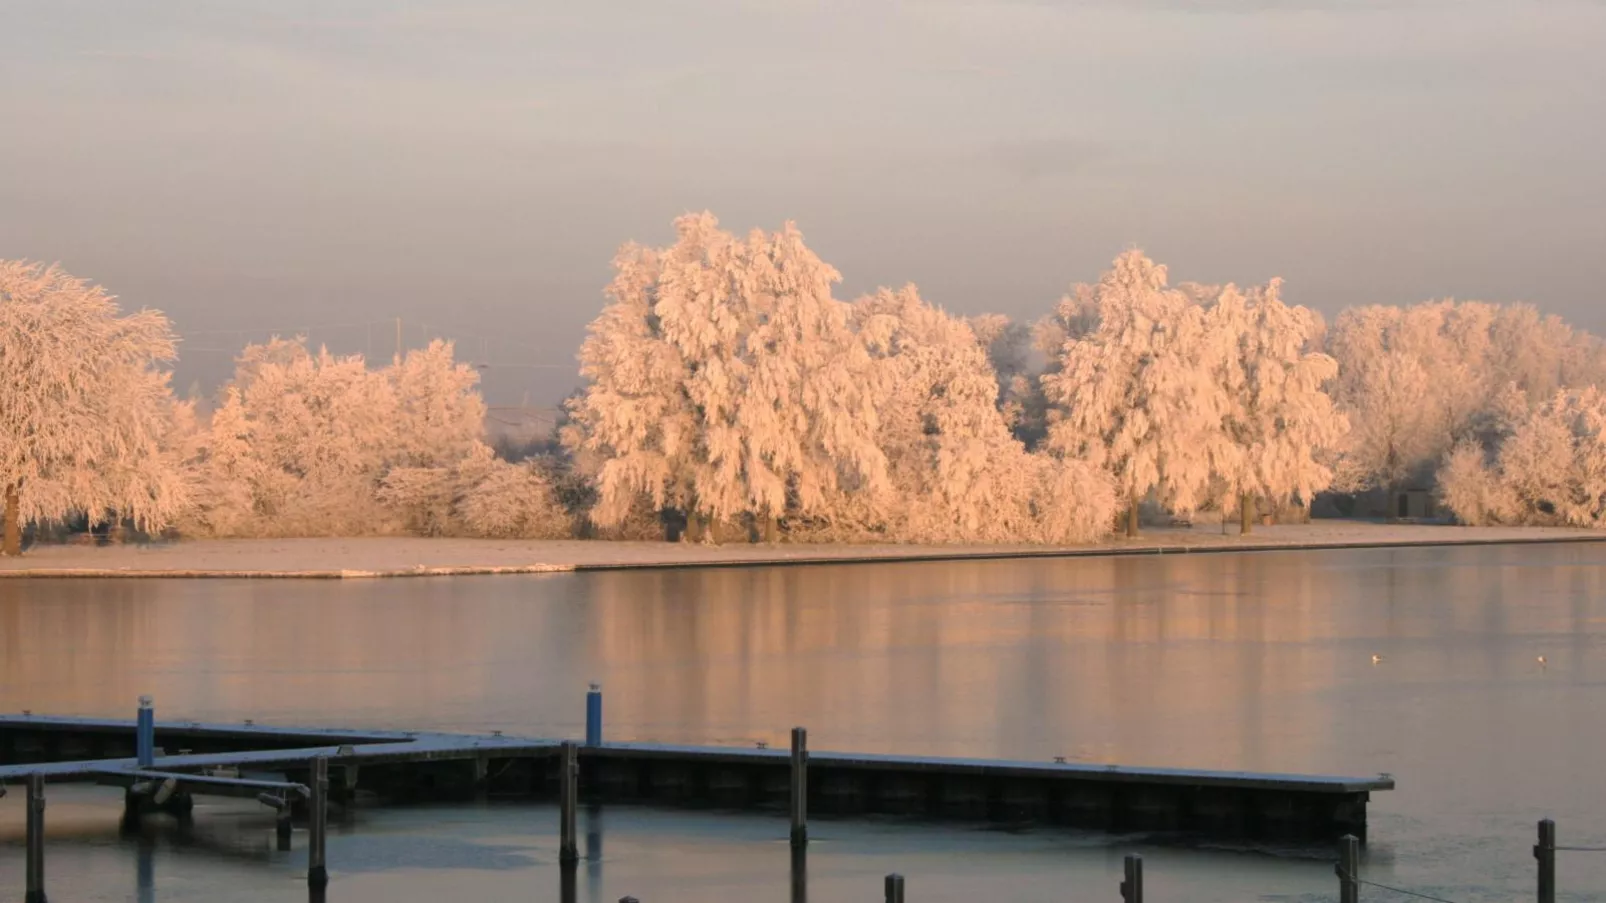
419	557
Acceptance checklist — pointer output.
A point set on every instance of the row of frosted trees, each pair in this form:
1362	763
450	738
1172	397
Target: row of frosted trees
299	443
725	381
728	390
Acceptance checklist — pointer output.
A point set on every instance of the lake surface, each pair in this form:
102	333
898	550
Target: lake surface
1259	661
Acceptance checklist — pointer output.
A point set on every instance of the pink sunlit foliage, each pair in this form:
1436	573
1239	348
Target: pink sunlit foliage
85	406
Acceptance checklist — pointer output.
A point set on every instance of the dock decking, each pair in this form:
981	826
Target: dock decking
407	766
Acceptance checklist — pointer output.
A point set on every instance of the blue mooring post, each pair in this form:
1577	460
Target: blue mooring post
594	715
145	734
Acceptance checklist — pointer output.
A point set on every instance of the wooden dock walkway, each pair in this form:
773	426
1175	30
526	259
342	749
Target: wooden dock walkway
410	766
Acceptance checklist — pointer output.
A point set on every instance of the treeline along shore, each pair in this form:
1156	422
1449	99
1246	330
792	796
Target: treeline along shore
727	396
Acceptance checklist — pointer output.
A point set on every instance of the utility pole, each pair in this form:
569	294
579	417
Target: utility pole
398	340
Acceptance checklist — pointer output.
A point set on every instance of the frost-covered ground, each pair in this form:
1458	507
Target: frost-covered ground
414	556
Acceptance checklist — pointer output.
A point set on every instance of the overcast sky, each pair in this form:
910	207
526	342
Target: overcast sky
471	165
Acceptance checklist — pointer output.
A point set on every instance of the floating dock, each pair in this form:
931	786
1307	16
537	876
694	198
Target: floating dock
250	760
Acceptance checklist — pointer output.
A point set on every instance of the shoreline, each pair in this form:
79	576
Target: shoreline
394	557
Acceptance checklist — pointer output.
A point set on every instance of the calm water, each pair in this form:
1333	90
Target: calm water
1258	661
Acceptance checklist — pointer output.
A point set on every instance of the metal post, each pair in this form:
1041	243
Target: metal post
594	715
1545	852
1132	887
145	734
317	869
281	829
894	888
568	800
1349	869
36	840
800	787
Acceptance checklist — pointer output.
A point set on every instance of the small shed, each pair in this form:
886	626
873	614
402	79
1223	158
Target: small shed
1412	504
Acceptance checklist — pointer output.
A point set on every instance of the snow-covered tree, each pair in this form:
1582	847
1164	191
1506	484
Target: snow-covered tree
1010	347
440	415
1281	421
314	444
1551	469
1420	380
957	473
476	495
1472	490
85	407
1385	387
724	380
513	501
315	432
1134	389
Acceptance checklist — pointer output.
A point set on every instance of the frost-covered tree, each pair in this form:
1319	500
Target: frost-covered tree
1550	469
1009	347
1134	387
1385	386
309	443
1281	422
318	432
476	495
85	407
513	501
1472	490
725	381
1420	380
439	412
957	473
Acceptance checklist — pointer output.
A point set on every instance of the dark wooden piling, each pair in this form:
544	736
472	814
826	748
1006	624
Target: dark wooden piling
894	889
568	801
317	867
35	888
1545	852
1349	870
568	883
145	734
800	787
1132	886
145	872
800	874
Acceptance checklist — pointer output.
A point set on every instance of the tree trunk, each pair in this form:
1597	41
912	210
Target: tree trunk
1246	516
1132	518
12	544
